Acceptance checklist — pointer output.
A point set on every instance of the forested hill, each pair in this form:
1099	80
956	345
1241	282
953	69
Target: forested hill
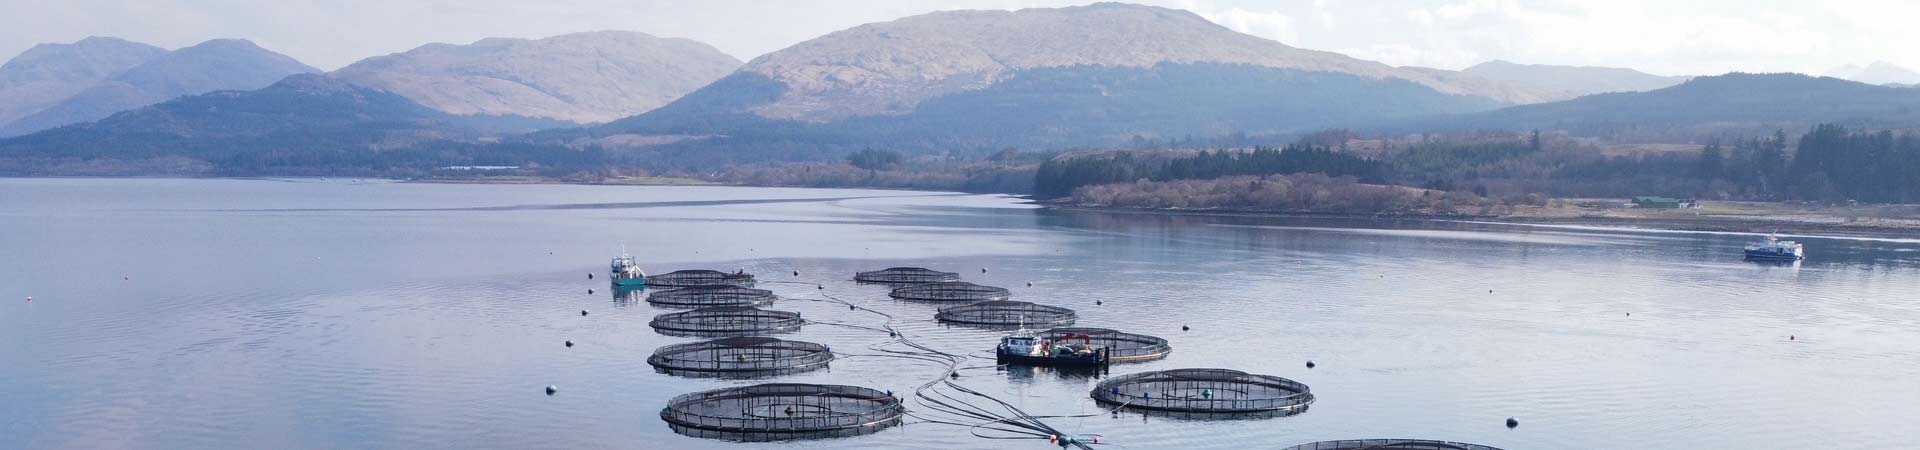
1736	100
302	124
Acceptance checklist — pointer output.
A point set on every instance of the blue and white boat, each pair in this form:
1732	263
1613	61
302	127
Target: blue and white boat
1774	249
626	273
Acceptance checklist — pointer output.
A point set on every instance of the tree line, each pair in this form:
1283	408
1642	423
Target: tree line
1060	176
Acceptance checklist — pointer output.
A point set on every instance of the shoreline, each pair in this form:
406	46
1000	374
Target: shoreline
1696	224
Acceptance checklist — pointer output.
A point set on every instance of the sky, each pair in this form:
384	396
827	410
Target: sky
1668	37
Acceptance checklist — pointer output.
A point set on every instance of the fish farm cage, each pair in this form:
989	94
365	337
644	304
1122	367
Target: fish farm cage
782	411
1121	347
685	278
952	291
711	296
1006	314
726	321
906	275
1389	444
740	356
1205	393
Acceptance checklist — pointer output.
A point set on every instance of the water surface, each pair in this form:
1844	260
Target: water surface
173	314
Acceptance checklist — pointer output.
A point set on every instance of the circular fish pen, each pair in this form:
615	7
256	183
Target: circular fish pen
1006	314
726	321
952	291
1205	393
906	275
1121	347
700	277
782	411
711	296
740	356
1389	444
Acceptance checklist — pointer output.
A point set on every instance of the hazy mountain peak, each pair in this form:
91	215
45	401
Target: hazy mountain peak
1573	80
889	67
49	73
583	77
1882	72
219	64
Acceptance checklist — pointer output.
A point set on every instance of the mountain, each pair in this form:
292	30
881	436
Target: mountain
48	73
581	77
1881	72
1733	100
1083	75
1573	80
220	64
303	124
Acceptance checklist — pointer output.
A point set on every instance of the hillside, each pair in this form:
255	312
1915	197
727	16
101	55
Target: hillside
1090	75
220	64
1573	80
49	73
581	77
1735	100
303	124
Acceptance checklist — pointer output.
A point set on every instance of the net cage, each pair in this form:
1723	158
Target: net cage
1121	347
906	275
742	356
711	296
1204	391
782	411
1006	314
1388	444
684	278
726	321
954	291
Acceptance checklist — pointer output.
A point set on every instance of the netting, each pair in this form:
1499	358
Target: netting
905	275
683	278
1389	444
1121	347
710	296
1006	314
782	411
955	291
746	356
1204	391
726	321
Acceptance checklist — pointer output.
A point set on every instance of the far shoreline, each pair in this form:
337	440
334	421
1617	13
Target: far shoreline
1702	224
1831	225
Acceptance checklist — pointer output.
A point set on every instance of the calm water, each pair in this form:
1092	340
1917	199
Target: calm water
177	314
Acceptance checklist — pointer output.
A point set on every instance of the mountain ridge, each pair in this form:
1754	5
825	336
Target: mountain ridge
580	77
214	65
48	73
1574	80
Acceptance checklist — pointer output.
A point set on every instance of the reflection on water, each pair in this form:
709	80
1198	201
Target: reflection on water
209	313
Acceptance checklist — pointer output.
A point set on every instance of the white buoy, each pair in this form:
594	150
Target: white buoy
551	389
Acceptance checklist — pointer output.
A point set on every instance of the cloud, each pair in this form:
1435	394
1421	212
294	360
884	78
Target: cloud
1267	24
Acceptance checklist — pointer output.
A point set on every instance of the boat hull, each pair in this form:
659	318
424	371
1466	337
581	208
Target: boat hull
1772	256
629	282
1099	359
